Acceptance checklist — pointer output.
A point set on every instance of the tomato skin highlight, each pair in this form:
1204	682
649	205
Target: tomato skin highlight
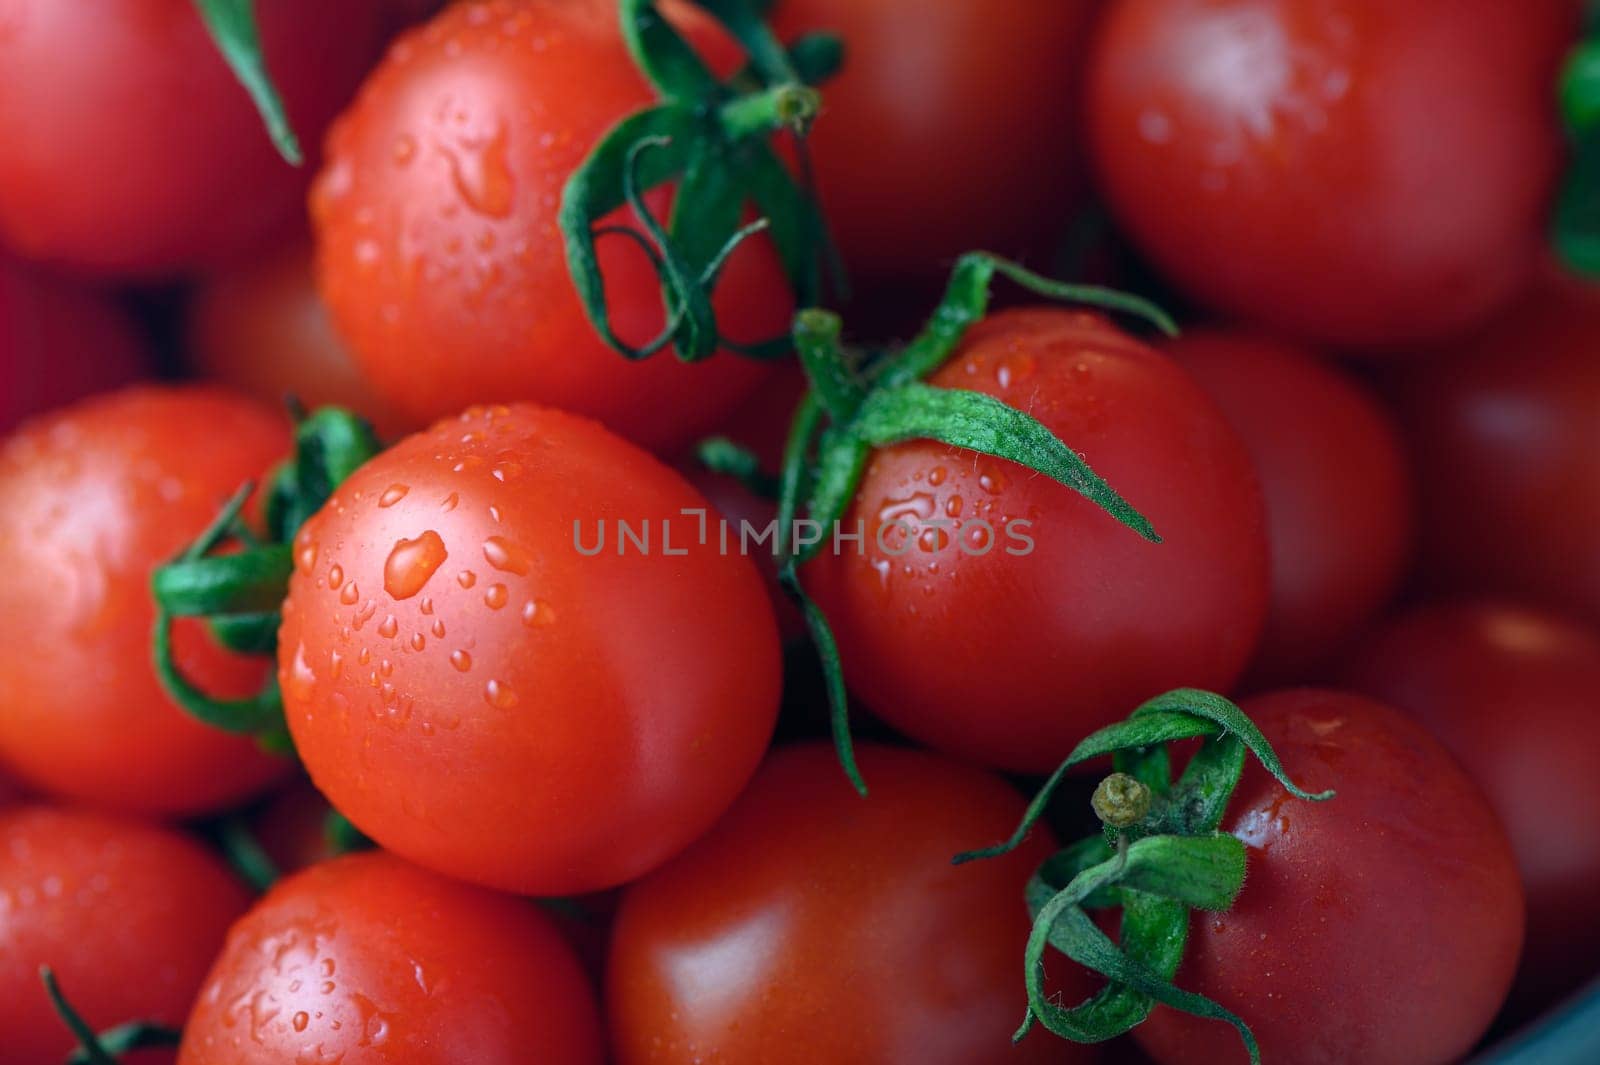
92	499
128	915
1011	659
1357	173
1333	473
371	961
136	153
814	925
438	250
1502	433
478	695
59	343
959	135
1510	691
1381	926
262	328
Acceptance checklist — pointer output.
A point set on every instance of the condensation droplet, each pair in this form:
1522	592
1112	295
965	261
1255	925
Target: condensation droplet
411	563
466	578
349	594
506	556
461	660
393	494
499	696
494	596
388	627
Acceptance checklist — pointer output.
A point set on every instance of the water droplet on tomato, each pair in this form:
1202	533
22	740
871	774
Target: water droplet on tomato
506	556
388	627
461	660
499	695
466	578
411	563
393	494
482	174
350	593
335	575
494	596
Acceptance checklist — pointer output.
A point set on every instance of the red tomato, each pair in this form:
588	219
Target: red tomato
813	925
480	689
1334	477
1380	927
438	249
1359	173
92	499
951	127
366	960
135	151
1503	437
58	344
1009	644
1511	692
263	329
128	915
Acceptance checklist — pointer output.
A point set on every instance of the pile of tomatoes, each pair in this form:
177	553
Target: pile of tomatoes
412	654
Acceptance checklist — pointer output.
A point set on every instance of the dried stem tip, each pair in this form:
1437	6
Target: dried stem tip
1121	801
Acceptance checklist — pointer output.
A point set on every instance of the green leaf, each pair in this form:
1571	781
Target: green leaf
232	24
1230	719
722	456
797	226
984	424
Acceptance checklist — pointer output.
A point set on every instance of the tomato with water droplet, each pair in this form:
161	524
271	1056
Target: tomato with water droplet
128	915
1357	173
92	499
594	684
367	960
438	248
1381	926
1031	617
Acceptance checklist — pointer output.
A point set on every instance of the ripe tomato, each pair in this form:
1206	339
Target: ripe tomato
1511	692
128	915
1008	642
951	127
1358	173
1502	432
135	151
437	242
1334	477
58	344
92	499
1381	926
813	925
366	960
262	328
481	690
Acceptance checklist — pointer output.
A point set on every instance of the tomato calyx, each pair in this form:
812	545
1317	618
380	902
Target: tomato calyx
854	404
1577	219
104	1048
1161	855
240	593
712	138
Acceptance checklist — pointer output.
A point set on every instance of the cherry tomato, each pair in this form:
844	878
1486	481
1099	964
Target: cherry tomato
814	925
58	344
128	915
262	328
437	241
488	678
1381	926
1502	432
1334	477
92	499
366	960
951	127
135	151
1511	692
1357	173
1032	617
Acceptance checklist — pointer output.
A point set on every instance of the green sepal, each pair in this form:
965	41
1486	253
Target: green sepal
232	25
729	459
103	1048
833	677
245	853
980	422
251	582
1576	228
248	634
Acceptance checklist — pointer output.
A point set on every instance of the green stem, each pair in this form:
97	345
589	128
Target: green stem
791	107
